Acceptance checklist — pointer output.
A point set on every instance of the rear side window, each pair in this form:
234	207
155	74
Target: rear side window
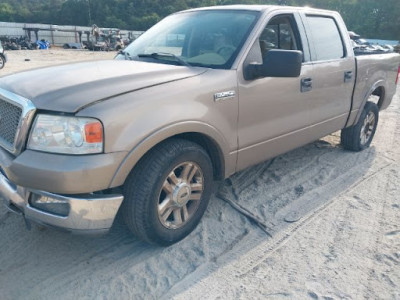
326	37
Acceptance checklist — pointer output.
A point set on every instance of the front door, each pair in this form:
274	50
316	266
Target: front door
274	113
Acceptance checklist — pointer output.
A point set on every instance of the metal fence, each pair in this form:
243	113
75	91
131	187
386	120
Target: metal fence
55	34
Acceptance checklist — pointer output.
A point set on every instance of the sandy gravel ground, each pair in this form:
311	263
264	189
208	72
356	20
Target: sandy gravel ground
327	228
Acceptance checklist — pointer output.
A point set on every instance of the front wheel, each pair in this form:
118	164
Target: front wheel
167	193
359	136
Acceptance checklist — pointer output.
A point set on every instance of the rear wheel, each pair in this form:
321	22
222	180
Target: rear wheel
167	193
359	136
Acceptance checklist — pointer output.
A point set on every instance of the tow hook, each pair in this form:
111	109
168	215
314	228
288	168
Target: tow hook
27	223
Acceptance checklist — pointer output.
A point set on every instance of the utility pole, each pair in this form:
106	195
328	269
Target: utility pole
90	15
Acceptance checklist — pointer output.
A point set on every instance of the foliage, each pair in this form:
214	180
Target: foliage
370	18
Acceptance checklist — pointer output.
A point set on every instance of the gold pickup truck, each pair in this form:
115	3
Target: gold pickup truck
201	95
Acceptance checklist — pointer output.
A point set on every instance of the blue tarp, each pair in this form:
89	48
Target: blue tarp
44	45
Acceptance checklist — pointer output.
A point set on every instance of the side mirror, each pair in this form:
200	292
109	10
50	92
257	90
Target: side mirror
276	63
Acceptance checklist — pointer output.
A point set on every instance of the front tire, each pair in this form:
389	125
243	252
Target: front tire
167	193
359	136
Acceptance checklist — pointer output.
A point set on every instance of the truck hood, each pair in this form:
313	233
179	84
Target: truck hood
68	88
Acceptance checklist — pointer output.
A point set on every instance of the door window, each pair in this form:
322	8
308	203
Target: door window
280	33
326	38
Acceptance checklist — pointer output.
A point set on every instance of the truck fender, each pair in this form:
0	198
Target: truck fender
192	127
376	85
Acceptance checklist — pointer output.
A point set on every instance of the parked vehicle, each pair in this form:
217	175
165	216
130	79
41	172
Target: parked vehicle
104	40
3	57
203	94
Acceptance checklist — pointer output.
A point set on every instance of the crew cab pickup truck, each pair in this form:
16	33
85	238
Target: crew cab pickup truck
201	95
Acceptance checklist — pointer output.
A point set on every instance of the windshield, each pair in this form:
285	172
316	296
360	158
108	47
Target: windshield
209	38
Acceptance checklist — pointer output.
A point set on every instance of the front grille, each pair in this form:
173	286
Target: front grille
10	116
16	115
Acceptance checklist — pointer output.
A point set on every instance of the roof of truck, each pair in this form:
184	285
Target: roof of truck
257	8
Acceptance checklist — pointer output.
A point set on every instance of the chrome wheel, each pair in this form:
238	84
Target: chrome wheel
367	128
359	136
180	195
168	192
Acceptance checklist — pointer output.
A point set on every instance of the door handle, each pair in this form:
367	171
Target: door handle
306	85
348	76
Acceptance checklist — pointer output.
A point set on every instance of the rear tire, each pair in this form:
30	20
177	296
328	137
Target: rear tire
359	136
167	193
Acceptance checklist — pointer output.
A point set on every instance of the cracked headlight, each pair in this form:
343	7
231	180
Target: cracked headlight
69	135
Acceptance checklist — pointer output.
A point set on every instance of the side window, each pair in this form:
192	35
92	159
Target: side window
326	38
280	33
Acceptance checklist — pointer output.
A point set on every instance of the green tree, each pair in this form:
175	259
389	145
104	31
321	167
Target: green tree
6	12
370	18
74	12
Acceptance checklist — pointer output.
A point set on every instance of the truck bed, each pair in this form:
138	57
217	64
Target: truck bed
372	71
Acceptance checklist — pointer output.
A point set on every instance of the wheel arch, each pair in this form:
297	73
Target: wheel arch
212	149
377	89
381	93
202	134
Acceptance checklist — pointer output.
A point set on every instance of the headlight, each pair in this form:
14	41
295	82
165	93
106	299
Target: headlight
69	135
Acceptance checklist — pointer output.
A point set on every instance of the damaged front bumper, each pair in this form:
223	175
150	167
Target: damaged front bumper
86	213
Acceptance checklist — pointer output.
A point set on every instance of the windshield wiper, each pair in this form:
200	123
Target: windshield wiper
126	54
160	55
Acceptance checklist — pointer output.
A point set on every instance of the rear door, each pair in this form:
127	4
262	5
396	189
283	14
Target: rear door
333	72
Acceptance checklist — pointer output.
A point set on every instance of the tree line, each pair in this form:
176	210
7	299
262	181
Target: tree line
370	18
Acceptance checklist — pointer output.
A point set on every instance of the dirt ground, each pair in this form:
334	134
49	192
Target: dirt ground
327	228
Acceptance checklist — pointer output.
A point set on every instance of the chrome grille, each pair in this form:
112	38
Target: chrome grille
16	115
10	115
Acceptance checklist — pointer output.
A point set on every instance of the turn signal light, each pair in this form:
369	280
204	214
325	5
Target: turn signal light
94	132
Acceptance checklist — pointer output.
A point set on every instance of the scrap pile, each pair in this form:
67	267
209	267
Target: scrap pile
23	43
363	47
